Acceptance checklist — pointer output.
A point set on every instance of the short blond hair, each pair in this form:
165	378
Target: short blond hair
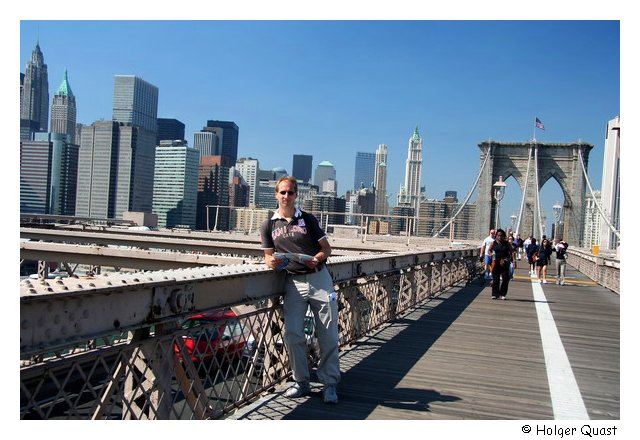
291	179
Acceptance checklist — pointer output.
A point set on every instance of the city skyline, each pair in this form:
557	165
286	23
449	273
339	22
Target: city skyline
340	96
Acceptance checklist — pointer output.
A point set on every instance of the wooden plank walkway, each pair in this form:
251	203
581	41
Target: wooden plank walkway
466	356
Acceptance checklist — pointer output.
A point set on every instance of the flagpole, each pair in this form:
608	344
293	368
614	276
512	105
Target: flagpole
534	130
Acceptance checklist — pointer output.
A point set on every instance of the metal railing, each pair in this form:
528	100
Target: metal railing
147	345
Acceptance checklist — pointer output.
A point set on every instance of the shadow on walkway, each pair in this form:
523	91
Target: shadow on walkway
386	357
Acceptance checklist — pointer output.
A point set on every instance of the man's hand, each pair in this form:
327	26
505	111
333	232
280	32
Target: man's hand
275	263
312	263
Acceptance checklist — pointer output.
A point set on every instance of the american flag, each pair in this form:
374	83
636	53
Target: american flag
539	124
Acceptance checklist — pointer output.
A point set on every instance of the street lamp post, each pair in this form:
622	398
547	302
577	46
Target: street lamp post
499	189
513	223
557	210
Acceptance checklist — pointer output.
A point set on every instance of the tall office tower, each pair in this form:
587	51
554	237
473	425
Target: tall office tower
35	98
409	194
21	91
325	171
175	184
279	172
611	185
238	191
115	170
170	130
48	174
227	133
380	181
213	194
302	167
435	214
207	143
135	102
327	203
63	110
248	169
359	201
592	220
363	176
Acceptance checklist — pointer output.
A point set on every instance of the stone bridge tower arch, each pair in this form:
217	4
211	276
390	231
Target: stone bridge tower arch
513	159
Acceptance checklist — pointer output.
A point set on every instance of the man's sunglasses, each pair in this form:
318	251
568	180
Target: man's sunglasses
287	192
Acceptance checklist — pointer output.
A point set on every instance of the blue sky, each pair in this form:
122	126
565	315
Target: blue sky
333	88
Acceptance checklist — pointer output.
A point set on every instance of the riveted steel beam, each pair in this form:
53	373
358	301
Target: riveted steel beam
59	311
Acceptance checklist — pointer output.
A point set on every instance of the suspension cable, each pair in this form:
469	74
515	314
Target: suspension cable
602	214
524	192
539	214
473	188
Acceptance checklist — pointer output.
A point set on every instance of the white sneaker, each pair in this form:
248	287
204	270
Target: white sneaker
299	389
544	282
540	281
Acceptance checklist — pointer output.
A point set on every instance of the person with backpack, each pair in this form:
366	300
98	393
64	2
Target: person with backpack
561	260
543	256
532	250
293	241
502	253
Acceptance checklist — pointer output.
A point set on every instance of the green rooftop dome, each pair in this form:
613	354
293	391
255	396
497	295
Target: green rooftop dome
65	88
325	163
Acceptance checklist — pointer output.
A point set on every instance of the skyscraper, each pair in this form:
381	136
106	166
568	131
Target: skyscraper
248	169
98	170
380	181
63	110
206	142
35	98
409	194
302	167
325	171
170	130
364	170
228	133
115	170
213	194
48	173
135	102
116	161
175	184
610	194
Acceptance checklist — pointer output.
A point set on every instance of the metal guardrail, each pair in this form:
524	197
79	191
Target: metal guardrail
603	269
121	347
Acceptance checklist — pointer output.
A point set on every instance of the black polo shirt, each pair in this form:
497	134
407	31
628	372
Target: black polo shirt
301	235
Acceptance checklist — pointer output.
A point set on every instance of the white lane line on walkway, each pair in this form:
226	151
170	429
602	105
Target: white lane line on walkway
565	395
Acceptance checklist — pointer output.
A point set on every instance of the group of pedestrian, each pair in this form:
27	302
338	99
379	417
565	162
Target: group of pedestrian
499	254
308	284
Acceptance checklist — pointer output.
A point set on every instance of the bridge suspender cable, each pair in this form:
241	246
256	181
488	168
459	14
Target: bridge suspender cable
468	195
524	192
538	213
602	214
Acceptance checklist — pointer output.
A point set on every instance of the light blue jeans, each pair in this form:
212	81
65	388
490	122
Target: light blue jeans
560	267
314	290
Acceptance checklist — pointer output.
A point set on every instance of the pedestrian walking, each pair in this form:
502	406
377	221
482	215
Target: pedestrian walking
485	255
502	253
542	260
561	260
532	250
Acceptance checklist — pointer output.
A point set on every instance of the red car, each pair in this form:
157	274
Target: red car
222	337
